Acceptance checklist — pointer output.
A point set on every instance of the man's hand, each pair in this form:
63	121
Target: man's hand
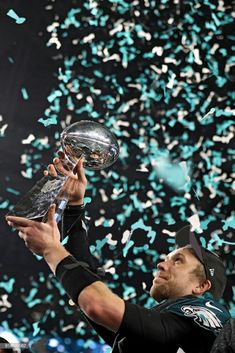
41	238
75	186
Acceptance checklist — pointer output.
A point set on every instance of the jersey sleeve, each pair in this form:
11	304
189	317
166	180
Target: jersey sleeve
74	227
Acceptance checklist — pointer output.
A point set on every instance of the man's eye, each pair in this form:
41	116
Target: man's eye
178	259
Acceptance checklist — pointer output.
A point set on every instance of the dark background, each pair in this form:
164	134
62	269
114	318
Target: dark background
114	63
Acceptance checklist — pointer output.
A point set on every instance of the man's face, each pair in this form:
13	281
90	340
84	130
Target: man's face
174	277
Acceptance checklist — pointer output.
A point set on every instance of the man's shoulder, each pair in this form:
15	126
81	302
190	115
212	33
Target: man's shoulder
204	312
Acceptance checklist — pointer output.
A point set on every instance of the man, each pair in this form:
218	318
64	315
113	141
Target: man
184	317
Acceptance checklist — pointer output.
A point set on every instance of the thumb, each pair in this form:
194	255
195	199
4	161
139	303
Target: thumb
79	170
80	165
51	213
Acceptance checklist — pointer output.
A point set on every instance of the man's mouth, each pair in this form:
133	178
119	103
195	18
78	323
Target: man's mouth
160	278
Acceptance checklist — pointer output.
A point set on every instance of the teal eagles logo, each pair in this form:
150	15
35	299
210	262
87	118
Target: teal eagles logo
202	316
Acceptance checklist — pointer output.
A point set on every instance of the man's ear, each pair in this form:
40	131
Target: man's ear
202	287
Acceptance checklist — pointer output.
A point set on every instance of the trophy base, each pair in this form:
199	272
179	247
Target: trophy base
36	202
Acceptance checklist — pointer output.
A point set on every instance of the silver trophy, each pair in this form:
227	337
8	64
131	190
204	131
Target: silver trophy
85	139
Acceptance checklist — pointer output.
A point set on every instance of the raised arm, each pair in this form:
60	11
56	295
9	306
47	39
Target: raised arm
94	298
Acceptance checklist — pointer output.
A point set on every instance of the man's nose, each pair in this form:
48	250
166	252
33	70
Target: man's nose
164	265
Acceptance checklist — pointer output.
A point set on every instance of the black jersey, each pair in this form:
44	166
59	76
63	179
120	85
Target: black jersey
189	322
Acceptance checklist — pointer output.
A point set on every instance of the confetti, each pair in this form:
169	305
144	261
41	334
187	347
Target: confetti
19	20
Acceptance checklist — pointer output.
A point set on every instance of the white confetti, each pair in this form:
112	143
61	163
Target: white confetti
223	139
89	38
171	234
109	237
195	223
157	50
3	129
126	236
28	140
103	195
170	84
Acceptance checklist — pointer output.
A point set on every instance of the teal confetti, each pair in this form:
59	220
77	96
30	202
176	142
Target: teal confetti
48	121
4	204
19	20
127	247
24	93
36	328
229	223
8	285
13	191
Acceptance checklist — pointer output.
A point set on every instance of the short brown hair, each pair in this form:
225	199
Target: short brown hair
199	270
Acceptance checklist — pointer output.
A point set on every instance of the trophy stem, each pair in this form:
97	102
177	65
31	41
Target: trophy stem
61	204
60	209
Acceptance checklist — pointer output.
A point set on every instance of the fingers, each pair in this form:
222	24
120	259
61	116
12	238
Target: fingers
51	213
17	222
56	167
50	170
24	238
61	155
21	234
60	166
21	227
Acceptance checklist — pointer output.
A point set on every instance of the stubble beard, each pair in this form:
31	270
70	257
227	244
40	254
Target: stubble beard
160	292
